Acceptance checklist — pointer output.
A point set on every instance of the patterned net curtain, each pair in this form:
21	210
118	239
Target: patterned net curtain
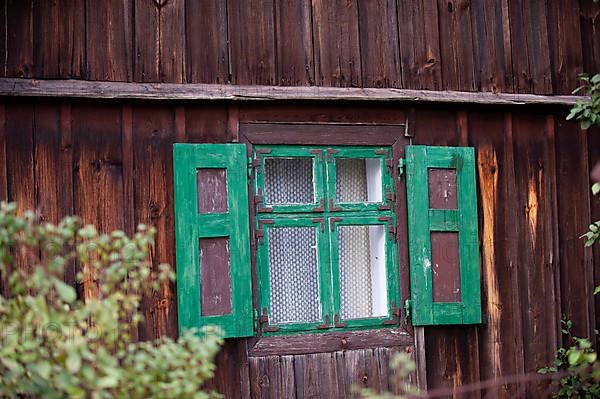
293	259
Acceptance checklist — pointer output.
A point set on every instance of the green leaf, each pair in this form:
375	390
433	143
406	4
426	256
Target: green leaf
595	188
73	362
597	290
65	292
108	382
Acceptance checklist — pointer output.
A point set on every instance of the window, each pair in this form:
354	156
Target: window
326	243
324	228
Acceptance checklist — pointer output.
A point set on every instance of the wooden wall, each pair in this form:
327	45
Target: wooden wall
520	46
111	163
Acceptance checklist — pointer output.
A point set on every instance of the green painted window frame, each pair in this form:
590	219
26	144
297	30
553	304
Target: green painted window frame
422	221
327	220
190	227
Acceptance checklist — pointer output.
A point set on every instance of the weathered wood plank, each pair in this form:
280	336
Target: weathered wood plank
379	44
336	43
153	132
459	56
97	174
206	42
18	61
108	50
232	377
3	184
330	342
419	44
146	42
491	37
172	41
531	57
576	264
46	30
358	368
166	91
293	24
20	168
566	54
71	48
593	140
317	376
272	377
533	160
206	124
590	35
500	340
252	42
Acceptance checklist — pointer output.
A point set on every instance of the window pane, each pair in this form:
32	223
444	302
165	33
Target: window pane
212	190
363	286
294	275
289	181
358	180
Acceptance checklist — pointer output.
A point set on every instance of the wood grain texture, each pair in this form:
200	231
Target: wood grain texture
154	91
531	57
590	34
336	43
293	24
206	41
72	44
252	42
108	51
565	40
593	141
46	29
534	161
379	44
146	42
500	340
573	218
153	135
172	42
272	377
420	58
18	60
317	376
492	42
459	56
97	172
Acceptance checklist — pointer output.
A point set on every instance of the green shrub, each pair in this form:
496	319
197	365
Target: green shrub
55	345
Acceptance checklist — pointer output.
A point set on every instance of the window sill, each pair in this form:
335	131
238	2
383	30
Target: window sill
329	342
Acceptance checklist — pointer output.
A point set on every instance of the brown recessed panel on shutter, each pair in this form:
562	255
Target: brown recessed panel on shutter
445	264
215	276
212	190
442	189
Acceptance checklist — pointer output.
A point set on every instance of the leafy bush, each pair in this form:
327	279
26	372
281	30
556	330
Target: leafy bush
578	366
587	112
55	345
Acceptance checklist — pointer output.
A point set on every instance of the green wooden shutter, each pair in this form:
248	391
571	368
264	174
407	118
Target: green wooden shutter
212	234
443	240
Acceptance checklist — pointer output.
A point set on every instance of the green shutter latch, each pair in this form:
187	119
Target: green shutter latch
401	165
407	307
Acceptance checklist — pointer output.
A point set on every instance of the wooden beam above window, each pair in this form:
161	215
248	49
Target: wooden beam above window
14	87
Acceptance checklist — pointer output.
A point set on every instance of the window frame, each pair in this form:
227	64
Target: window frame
333	134
330	215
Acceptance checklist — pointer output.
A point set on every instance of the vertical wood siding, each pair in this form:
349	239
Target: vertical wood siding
499	46
112	164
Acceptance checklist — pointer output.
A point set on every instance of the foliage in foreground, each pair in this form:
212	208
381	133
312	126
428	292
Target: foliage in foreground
55	345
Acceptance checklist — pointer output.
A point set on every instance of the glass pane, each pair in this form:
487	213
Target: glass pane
294	275
212	190
358	180
289	181
215	276
363	285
